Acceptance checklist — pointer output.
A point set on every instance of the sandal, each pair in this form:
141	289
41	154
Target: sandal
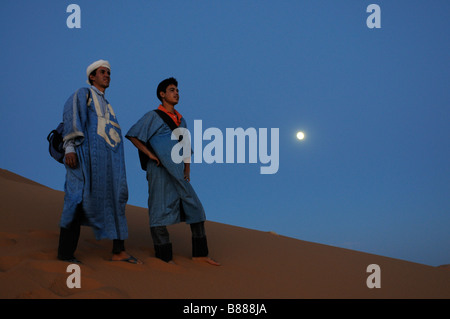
131	260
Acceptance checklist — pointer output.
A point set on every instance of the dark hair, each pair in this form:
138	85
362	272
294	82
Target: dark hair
93	73
163	86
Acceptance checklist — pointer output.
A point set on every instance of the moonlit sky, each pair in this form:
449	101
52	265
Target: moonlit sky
372	173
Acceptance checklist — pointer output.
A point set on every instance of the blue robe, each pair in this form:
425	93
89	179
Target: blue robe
99	182
171	199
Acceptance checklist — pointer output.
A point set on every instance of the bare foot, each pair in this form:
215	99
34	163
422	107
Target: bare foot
123	256
206	260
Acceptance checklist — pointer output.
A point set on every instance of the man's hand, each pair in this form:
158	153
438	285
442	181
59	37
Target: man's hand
153	157
141	146
71	160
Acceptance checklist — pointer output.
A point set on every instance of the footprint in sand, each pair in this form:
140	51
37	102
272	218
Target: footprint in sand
44	254
41	234
7	239
52	276
59	286
8	262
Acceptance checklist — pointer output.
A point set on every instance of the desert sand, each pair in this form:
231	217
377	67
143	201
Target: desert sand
255	264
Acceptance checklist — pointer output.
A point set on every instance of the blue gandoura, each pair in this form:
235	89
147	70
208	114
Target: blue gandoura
171	199
96	189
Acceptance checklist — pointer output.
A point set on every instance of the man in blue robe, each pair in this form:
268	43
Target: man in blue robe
172	198
96	189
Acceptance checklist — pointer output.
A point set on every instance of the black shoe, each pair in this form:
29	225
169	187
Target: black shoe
72	260
164	252
199	247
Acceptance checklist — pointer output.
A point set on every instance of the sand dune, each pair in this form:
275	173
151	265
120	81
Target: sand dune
255	264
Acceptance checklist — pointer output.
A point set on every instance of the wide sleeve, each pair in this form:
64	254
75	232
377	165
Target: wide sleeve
145	128
75	116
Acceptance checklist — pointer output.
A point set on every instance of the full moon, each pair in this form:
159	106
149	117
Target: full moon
300	135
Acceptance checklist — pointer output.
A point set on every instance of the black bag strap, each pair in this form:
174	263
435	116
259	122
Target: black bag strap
166	118
171	124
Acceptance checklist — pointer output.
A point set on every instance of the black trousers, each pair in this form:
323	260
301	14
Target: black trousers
69	236
163	246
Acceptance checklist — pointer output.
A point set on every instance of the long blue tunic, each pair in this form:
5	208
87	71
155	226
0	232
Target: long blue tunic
99	182
168	192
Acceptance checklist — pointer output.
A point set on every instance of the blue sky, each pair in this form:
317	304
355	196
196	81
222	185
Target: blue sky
372	174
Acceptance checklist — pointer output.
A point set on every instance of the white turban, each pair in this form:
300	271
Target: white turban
95	66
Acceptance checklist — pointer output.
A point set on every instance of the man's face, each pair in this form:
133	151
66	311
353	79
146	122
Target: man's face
102	78
171	95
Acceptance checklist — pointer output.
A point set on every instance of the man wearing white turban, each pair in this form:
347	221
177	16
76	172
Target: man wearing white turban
94	66
96	189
